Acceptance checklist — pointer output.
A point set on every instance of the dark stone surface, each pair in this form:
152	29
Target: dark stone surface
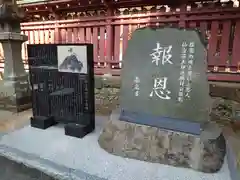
42	122
78	130
10	170
141	71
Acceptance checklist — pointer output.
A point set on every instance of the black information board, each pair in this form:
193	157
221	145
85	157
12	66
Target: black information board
62	82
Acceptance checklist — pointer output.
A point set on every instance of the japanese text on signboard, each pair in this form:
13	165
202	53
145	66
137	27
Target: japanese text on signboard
162	55
185	78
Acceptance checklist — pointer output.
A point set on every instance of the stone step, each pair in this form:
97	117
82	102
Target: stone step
233	152
12	170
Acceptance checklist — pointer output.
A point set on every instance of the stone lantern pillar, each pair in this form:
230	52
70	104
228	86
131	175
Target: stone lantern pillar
14	88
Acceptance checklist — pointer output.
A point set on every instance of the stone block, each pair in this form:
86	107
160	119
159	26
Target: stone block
42	122
6	36
106	94
15	94
203	153
78	130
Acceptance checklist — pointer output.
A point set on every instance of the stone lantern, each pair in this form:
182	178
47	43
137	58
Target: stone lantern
14	87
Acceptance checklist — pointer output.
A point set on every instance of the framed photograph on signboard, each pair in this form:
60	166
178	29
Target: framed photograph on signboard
72	59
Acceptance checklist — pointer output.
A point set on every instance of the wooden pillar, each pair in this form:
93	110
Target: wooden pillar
182	22
109	41
57	35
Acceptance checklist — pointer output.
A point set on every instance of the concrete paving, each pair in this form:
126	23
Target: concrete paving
66	157
11	170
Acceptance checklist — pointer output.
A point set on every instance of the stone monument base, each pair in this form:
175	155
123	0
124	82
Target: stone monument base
15	94
203	153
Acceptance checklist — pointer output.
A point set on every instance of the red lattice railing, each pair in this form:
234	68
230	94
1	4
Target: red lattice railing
109	34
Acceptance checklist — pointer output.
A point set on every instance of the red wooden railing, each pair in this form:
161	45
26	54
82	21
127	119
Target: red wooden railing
110	36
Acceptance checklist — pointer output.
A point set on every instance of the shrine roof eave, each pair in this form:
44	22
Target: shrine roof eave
75	5
27	3
96	3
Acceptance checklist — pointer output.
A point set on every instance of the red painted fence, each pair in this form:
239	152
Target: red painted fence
110	36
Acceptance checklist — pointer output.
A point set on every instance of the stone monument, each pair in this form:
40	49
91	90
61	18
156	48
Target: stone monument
165	103
14	87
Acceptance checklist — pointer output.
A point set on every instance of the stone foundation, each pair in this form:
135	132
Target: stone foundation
106	94
18	105
15	96
205	153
